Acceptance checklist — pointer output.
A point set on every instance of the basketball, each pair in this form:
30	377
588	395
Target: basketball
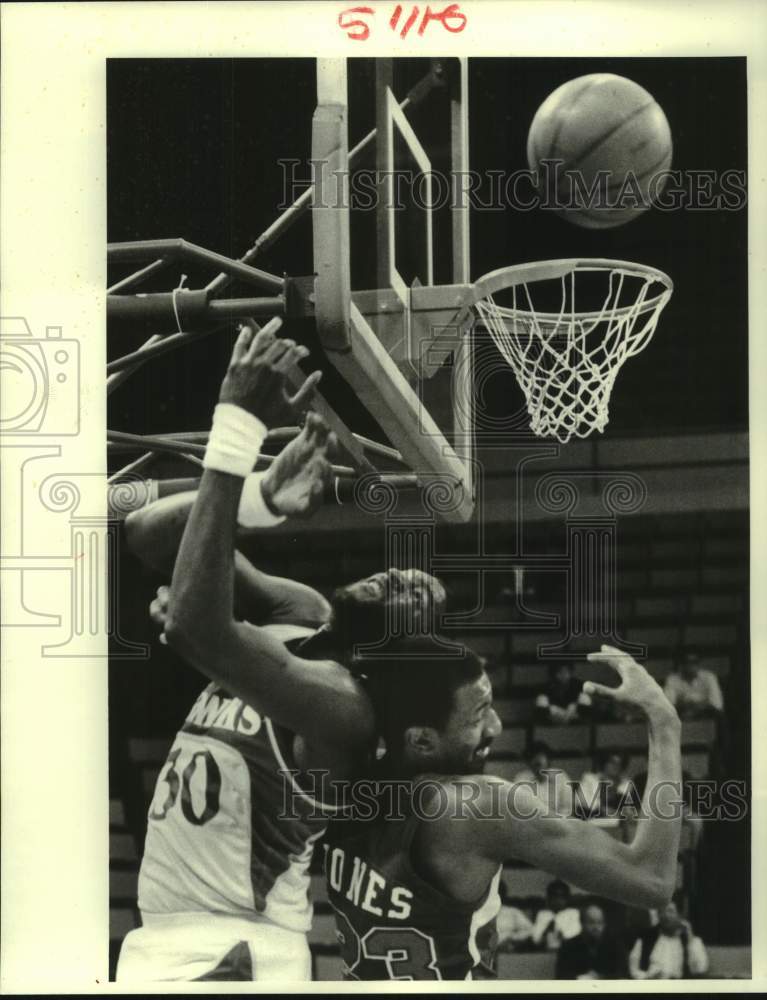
613	142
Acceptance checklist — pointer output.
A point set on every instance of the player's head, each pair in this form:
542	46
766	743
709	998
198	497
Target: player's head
394	602
560	673
538	756
612	764
687	662
558	895
434	710
593	922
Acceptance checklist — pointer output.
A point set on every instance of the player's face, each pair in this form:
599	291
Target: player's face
593	922
563	674
382	604
405	587
557	900
464	743
613	767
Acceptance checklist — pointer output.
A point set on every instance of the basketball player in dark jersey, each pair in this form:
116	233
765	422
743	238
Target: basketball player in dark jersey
413	862
434	721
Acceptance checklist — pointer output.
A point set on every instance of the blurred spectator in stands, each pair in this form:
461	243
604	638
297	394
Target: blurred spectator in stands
512	925
550	783
563	700
558	920
595	953
602	791
694	691
669	950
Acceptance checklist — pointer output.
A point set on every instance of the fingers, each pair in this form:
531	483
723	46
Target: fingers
276	349
608	652
242	343
264	339
303	396
318	437
290	357
591	687
317	431
615	658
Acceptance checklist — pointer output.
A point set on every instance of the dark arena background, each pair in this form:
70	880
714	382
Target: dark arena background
197	149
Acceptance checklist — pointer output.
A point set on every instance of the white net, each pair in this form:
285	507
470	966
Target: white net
566	361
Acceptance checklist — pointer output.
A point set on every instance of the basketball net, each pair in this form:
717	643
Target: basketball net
567	361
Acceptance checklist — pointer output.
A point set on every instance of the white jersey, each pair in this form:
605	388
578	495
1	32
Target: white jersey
229	830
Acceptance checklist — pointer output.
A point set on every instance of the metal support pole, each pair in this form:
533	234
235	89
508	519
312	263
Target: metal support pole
303	203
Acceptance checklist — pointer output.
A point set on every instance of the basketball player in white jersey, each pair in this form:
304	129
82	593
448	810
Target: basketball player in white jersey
223	881
454	857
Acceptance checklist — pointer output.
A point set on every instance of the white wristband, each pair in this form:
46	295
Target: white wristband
235	440
253	512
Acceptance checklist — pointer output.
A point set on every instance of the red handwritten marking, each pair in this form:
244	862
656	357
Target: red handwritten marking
449	13
451	18
410	22
358	31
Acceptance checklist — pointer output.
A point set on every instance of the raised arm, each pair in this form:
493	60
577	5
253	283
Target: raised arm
513	822
318	700
154	535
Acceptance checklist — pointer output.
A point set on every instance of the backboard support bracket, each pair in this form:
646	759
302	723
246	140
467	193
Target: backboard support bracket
382	340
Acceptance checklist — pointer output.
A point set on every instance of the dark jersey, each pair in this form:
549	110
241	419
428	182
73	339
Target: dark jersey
391	923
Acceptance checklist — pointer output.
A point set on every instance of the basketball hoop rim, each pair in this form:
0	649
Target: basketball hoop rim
521	274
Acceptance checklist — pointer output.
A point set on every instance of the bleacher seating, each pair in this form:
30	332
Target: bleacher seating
573	739
679	579
122	847
514	710
529	674
698	732
506	769
123	884
710	635
526	882
121	920
667	606
706	605
654	637
319	890
323	930
148	751
123	879
328	968
510	741
572	766
620	736
724	963
729	962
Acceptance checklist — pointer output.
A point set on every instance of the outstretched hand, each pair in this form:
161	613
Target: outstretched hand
637	687
256	377
295	481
